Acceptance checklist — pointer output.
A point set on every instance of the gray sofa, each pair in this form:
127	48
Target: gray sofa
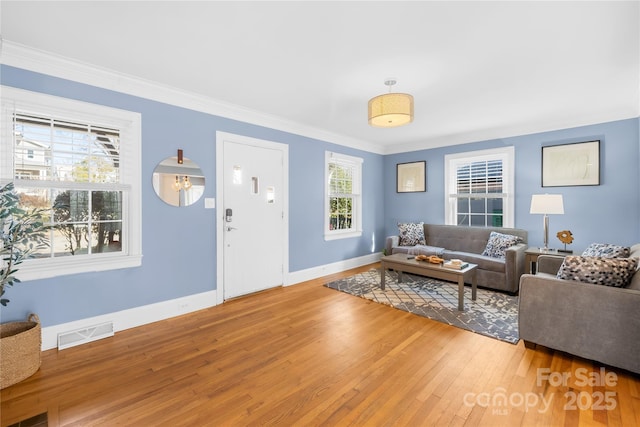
468	244
592	321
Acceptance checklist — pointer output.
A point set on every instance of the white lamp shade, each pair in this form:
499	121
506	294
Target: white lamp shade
547	204
390	110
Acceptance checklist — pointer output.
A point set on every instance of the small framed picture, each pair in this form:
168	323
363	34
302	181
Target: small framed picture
411	177
571	164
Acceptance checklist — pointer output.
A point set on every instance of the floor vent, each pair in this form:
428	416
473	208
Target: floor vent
84	335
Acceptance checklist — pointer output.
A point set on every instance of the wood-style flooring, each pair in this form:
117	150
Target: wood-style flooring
307	355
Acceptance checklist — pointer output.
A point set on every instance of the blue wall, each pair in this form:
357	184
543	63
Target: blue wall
608	213
170	267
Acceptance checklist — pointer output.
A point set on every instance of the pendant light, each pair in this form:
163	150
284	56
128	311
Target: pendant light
391	109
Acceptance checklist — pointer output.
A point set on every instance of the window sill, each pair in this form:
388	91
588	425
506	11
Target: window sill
345	235
71	265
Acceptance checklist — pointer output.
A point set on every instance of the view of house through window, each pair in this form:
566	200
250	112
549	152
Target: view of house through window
79	163
60	166
343	195
479	188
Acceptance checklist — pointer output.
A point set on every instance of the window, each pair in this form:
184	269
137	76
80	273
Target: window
479	188
343	211
81	163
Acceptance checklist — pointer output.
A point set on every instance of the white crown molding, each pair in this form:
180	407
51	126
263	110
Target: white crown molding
513	131
27	58
21	56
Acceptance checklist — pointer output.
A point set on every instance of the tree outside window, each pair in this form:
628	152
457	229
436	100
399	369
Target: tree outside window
80	162
343	178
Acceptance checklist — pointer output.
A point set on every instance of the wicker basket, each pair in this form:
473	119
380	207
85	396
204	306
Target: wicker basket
20	347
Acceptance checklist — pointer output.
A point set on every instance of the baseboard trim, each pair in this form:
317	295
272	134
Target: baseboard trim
133	317
146	314
336	267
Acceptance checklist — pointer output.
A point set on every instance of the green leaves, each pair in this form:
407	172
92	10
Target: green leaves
22	233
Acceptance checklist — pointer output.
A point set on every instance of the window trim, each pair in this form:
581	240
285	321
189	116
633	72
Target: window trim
357	192
129	123
507	155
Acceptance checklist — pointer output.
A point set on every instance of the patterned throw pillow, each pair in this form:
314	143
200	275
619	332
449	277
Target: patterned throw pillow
598	270
411	234
498	243
607	250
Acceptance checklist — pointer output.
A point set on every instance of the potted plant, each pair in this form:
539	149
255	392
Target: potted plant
22	233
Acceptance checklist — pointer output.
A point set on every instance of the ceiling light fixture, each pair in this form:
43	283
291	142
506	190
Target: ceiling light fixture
391	109
185	184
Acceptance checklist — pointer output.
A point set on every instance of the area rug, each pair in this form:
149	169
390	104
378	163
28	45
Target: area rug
493	314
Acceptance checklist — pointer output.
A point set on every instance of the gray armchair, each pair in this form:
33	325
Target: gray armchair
596	322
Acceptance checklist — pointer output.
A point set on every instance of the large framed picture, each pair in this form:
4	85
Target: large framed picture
411	177
571	164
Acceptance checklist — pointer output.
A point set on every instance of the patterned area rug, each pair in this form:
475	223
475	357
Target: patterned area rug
493	314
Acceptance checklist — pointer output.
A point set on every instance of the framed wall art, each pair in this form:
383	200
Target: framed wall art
411	177
571	164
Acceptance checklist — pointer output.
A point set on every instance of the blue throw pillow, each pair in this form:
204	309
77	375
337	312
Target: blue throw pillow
607	250
498	243
411	234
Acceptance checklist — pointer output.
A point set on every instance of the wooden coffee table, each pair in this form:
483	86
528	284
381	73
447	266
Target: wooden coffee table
408	264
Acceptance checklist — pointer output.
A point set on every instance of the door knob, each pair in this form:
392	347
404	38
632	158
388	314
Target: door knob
229	228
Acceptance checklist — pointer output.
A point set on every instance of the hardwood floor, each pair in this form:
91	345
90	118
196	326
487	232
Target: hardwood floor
308	355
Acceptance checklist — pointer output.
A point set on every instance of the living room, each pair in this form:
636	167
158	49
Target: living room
180	248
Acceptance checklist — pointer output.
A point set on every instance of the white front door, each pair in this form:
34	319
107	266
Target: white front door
253	217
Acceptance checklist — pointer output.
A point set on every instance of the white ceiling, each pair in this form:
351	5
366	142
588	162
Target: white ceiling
477	70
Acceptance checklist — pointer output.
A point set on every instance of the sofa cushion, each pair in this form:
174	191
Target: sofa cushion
498	243
411	233
598	270
607	250
425	250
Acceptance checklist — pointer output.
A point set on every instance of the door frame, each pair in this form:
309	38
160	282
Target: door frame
221	137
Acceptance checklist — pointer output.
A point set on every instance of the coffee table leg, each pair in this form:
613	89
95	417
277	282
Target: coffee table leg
474	286
382	275
461	293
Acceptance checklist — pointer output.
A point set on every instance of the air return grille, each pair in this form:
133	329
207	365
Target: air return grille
85	335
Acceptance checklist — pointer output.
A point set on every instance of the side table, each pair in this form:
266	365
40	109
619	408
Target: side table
532	254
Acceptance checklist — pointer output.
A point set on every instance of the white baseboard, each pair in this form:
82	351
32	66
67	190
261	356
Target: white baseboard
336	267
133	317
143	315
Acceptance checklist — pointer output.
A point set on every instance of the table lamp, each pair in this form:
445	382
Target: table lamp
546	204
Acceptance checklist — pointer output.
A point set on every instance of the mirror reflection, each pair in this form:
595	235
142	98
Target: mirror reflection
178	184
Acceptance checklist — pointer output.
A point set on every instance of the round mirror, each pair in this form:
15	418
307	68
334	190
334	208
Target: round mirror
178	184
